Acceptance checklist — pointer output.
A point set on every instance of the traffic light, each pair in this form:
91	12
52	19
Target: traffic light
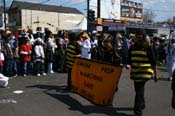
91	15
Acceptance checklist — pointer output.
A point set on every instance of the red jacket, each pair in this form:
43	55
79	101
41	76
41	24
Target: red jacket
25	52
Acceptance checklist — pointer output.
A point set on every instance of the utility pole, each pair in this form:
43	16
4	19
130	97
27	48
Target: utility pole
31	19
59	17
88	25
5	25
98	8
38	21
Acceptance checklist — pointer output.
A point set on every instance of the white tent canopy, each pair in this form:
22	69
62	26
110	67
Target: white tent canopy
81	25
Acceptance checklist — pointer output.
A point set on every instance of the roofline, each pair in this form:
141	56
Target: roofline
36	4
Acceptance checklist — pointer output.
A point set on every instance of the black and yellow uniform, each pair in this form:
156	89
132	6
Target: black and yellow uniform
72	51
141	66
141	60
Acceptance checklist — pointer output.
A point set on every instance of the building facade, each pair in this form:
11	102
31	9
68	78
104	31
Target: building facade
31	15
2	24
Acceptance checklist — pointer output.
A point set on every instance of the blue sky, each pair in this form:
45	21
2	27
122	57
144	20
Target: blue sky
163	9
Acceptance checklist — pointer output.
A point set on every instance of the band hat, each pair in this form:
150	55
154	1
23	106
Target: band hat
119	35
8	32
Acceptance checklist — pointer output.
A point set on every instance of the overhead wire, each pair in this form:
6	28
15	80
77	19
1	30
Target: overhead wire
75	4
36	4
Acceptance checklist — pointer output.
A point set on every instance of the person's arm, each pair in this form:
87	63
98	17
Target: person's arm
37	52
152	58
22	51
78	50
128	65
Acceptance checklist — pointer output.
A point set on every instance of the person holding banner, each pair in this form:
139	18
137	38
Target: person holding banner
73	51
142	64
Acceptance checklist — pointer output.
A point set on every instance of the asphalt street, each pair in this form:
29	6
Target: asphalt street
44	96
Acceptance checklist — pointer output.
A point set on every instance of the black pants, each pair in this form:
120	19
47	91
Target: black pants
139	103
69	83
39	67
173	82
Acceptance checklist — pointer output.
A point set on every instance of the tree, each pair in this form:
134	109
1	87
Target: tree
169	21
149	16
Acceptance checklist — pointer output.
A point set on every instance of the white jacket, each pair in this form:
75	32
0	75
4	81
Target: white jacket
39	53
85	50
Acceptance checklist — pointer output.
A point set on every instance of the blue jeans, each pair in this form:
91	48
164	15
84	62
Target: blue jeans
39	67
9	67
26	67
17	66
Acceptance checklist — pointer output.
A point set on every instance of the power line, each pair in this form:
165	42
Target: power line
78	3
66	2
159	10
36	4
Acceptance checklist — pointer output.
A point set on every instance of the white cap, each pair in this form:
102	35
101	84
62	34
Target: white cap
94	32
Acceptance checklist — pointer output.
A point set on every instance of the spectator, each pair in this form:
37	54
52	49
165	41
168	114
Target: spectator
8	57
25	52
17	63
49	52
39	57
171	58
86	46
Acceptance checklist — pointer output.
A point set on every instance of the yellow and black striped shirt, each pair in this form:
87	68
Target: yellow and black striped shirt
141	64
72	50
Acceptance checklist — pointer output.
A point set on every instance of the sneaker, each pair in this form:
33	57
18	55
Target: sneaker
44	74
173	102
15	75
38	75
170	78
51	72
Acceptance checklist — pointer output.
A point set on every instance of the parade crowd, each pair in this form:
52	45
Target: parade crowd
24	53
22	49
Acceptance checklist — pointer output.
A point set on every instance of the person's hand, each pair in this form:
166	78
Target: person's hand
156	78
76	56
128	67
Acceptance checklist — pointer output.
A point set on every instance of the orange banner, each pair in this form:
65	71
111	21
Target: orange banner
95	81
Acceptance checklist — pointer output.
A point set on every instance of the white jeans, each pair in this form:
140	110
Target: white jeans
171	67
49	67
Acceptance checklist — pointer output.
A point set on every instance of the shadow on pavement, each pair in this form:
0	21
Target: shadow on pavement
75	105
48	87
163	79
163	69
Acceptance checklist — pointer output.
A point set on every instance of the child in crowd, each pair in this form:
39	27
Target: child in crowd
25	51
